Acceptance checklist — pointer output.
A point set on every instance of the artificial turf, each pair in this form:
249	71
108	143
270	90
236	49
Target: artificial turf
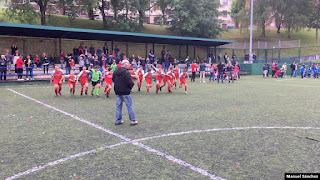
234	154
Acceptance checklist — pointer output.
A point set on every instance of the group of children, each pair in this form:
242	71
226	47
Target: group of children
104	76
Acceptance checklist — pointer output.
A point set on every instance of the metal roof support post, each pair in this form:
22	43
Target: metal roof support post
179	51
111	46
55	48
24	48
153	47
194	52
187	50
215	54
60	49
127	50
146	50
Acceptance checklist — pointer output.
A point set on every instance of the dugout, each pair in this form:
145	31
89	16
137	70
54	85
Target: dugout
184	46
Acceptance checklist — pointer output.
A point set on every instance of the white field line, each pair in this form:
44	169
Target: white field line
185	164
297	85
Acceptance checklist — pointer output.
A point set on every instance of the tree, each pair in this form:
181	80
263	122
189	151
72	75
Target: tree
102	7
24	13
89	5
43	8
117	5
164	5
196	18
237	9
262	14
141	6
295	15
314	16
63	4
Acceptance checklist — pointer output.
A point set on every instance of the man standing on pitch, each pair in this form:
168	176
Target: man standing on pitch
122	87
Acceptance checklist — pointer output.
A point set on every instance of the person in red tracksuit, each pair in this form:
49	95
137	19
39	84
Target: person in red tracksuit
20	64
176	72
183	81
168	78
194	70
57	77
108	80
159	76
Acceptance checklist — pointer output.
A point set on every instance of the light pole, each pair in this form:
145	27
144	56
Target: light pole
251	27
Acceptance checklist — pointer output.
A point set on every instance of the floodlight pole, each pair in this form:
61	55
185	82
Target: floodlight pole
251	27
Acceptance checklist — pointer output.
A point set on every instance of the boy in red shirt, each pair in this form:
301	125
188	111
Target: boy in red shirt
108	80
72	82
183	80
20	64
57	77
148	78
236	71
194	70
140	73
83	76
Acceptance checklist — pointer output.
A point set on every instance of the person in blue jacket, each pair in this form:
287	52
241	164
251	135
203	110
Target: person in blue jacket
302	70
309	71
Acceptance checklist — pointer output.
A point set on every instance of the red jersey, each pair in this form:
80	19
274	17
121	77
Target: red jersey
133	74
183	78
57	76
20	63
148	77
108	77
159	74
236	69
194	67
176	73
72	79
118	65
72	64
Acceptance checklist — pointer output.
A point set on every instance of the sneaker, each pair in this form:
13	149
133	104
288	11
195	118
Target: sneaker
138	89
156	92
107	95
60	93
91	94
160	89
134	123
56	95
70	94
98	96
81	94
169	91
119	123
204	82
27	79
86	94
147	93
186	92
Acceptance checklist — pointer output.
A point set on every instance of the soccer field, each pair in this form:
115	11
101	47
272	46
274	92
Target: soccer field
251	129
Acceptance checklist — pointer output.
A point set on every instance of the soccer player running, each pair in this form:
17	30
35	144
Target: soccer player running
183	80
108	80
176	76
140	74
168	78
96	78
148	78
57	77
72	82
159	76
83	76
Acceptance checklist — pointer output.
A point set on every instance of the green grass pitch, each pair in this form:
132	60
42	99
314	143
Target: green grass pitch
33	135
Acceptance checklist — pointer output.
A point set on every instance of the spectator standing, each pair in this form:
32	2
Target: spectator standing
46	63
37	60
116	50
14	48
220	68
239	68
212	72
132	58
86	52
134	64
92	50
81	50
99	52
61	59
292	66
76	53
151	56
284	69
295	70
219	57
194	70
3	67
105	49
265	70
87	62
187	61
81	62
122	87
143	64
14	60
163	53
122	55
29	64
254	57
20	64
8	59
53	60
302	70
225	57
202	72
274	69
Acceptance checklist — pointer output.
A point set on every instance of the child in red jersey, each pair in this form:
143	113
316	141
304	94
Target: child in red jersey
57	77
176	76
168	78
159	76
183	80
108	80
72	65
148	78
140	73
72	82
83	76
236	71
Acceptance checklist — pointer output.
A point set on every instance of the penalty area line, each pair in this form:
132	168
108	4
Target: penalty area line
169	157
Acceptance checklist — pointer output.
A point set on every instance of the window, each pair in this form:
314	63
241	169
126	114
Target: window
225	2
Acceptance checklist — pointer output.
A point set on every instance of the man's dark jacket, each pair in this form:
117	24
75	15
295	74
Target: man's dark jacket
122	81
